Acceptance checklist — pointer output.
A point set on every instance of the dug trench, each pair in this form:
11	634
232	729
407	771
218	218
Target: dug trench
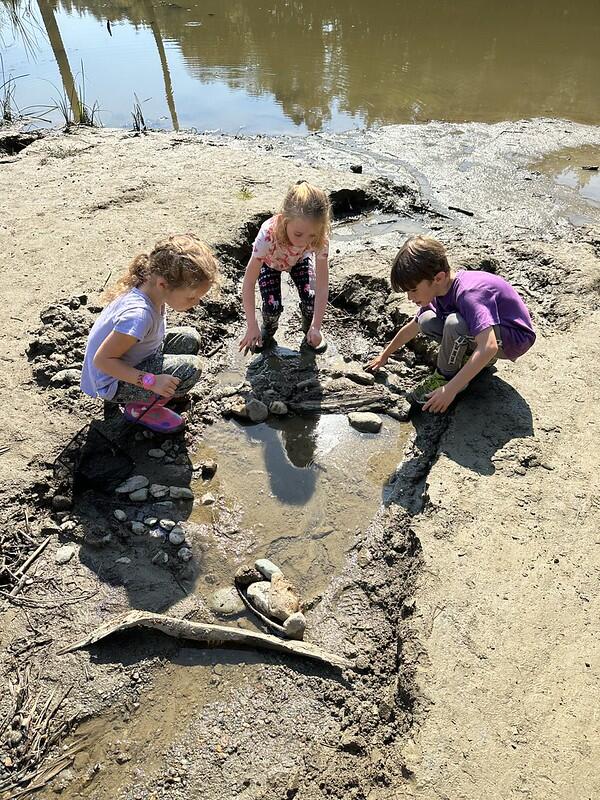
146	716
151	717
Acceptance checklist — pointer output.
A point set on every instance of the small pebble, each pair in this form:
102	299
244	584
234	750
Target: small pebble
119	514
64	554
159	490
138	528
167	524
123	560
181	493
160	558
150	521
139	496
132	484
156	453
177	536
184	554
208	499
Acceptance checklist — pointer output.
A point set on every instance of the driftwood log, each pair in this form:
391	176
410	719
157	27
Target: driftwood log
213	634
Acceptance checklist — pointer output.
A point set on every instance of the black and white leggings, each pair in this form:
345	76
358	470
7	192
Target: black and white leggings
269	283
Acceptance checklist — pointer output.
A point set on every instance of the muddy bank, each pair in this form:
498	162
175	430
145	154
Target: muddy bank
376	527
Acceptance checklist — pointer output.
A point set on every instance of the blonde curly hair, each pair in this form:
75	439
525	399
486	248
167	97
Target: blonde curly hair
181	259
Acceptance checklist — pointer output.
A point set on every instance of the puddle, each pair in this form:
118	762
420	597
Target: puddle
375	225
566	168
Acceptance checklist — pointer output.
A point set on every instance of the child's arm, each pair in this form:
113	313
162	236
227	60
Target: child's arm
108	360
404	335
321	295
487	347
252	336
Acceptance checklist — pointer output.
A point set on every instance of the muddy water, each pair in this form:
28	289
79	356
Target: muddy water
575	168
304	66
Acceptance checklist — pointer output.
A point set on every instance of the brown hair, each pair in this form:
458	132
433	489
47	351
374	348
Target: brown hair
305	200
420	258
181	259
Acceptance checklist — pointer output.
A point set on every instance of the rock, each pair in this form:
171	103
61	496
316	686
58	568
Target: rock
247	575
284	598
161	558
158	490
68	525
156	533
209	468
353	371
181	493
66	377
238	409
150	521
138	528
257	410
167	524
119	515
208	499
357	168
226	601
267	568
132	484
123	560
156	453
139	496
365	421
295	625
64	554
401	411
177	536
61	503
279	408
184	554
258	594
148	434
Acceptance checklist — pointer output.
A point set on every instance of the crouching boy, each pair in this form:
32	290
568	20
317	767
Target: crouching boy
476	317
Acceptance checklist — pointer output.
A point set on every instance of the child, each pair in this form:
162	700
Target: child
130	359
475	316
296	241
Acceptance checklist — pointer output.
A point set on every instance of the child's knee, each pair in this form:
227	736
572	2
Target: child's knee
455	325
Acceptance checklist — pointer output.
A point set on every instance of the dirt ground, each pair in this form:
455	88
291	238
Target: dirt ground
465	600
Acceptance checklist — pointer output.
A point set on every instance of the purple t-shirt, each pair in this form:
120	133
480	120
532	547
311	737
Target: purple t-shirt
484	300
132	313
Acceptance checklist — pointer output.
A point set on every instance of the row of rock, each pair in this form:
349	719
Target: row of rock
138	490
269	592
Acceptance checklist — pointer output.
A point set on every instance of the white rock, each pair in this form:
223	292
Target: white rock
156	453
208	499
123	560
184	554
226	601
181	493
138	528
150	521
257	410
159	490
167	524
258	594
295	625
177	536
139	496
279	408
365	421
156	533
119	514
266	568
132	484
64	554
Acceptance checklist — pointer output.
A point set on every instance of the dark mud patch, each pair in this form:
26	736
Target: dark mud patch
11	144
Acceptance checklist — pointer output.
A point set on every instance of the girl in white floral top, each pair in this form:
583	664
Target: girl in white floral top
296	241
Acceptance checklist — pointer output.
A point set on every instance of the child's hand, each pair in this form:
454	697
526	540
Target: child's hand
377	363
251	339
313	337
439	400
165	385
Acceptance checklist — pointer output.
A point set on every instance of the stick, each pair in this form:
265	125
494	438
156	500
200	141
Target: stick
23	569
201	632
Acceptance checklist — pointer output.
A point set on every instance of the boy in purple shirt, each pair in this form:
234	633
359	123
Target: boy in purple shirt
476	317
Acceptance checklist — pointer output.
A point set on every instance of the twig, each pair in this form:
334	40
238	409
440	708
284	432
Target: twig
461	211
24	567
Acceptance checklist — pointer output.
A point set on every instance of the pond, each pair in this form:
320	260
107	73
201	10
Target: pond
267	66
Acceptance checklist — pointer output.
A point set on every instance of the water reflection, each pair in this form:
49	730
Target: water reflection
350	62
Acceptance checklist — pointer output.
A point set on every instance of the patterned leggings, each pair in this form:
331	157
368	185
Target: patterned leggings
269	283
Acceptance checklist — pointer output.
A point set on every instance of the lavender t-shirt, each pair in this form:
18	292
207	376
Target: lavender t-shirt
134	314
484	300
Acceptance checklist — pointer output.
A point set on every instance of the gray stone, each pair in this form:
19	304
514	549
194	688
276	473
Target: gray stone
148	434
139	496
156	452
284	599
295	625
156	533
267	568
246	575
150	521
138	528
132	484
66	377
279	408
258	594
226	601
401	411
184	554
161	558
181	493
64	554
257	410
167	524
123	560
365	421
119	514
177	536
61	503
353	371
158	490
208	499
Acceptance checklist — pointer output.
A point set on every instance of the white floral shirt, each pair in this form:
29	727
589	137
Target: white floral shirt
276	255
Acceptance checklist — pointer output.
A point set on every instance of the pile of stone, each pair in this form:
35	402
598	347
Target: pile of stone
266	590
